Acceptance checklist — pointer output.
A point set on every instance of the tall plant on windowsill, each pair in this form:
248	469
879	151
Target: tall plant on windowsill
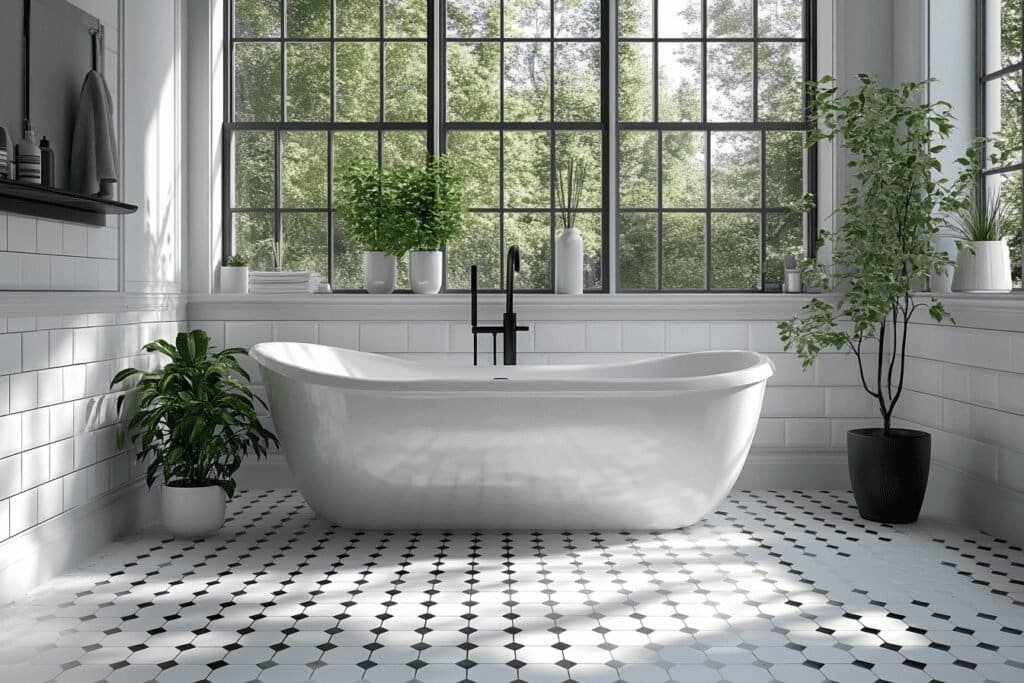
883	246
368	206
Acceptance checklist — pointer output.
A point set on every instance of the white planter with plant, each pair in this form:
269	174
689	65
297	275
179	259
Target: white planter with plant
234	277
572	179
431	212
885	242
194	421
368	209
983	260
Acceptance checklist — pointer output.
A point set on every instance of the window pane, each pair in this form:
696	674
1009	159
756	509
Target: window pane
735	251
354	147
253	236
636	18
309	18
683	247
679	82
780	18
683	181
480	245
1010	193
784	234
578	18
405	147
254	175
357	18
784	176
527	170
527	18
679	19
474	72
257	82
730	18
532	233
304	170
257	18
405	18
578	82
527	81
1003	112
636	86
477	154
638	251
348	262
358	77
405	82
309	82
305	242
730	82
1002	34
735	170
638	170
781	81
589	226
474	18
585	150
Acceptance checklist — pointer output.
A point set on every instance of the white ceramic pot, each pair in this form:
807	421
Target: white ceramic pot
941	283
380	270
425	269
191	512
234	279
983	267
569	262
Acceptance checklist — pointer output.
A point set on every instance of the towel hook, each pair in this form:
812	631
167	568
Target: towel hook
96	33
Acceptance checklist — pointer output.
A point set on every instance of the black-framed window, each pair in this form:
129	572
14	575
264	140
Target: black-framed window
1001	111
709	152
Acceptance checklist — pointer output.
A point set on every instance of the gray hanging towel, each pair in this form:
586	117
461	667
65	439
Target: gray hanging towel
94	140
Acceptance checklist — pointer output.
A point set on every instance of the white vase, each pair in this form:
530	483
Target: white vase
569	262
191	512
983	267
380	270
234	279
425	268
942	282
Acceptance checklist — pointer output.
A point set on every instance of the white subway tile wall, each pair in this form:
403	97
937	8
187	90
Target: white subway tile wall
43	255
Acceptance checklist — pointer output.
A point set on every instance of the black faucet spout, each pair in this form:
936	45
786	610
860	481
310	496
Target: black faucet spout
509	325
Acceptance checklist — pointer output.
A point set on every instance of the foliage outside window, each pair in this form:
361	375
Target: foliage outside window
1002	111
708	115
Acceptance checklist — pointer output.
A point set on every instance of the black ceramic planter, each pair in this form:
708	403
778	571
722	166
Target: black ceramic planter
889	472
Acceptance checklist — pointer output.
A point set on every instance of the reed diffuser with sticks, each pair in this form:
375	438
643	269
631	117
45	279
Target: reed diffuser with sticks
572	177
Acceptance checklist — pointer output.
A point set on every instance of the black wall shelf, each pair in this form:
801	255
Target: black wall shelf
48	202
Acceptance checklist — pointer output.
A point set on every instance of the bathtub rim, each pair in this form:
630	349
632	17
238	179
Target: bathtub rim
760	369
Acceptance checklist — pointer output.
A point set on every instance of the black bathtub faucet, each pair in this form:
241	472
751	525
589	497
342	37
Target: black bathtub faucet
509	326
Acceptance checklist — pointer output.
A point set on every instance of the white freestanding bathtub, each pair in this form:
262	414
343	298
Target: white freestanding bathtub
378	442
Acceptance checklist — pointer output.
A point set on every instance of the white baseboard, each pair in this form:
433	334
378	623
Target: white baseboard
967	499
60	543
765	469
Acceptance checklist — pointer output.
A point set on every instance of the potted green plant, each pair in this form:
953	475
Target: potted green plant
234	276
431	212
884	242
194	421
983	258
370	218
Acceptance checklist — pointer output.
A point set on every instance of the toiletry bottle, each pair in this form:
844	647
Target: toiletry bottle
47	160
29	162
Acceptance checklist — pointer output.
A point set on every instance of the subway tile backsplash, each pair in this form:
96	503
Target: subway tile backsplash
44	255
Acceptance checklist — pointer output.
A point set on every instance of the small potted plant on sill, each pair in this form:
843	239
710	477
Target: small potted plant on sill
371	220
983	258
194	421
884	245
234	276
432	212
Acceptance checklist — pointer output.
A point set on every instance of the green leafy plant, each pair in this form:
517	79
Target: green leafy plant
983	219
369	209
237	261
572	178
430	203
193	418
888	220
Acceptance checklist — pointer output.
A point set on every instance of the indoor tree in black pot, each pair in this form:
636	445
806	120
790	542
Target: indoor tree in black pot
883	246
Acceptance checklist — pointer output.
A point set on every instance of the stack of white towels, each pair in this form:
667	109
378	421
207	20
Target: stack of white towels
283	282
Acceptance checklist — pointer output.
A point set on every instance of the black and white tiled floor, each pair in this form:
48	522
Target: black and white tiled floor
789	586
